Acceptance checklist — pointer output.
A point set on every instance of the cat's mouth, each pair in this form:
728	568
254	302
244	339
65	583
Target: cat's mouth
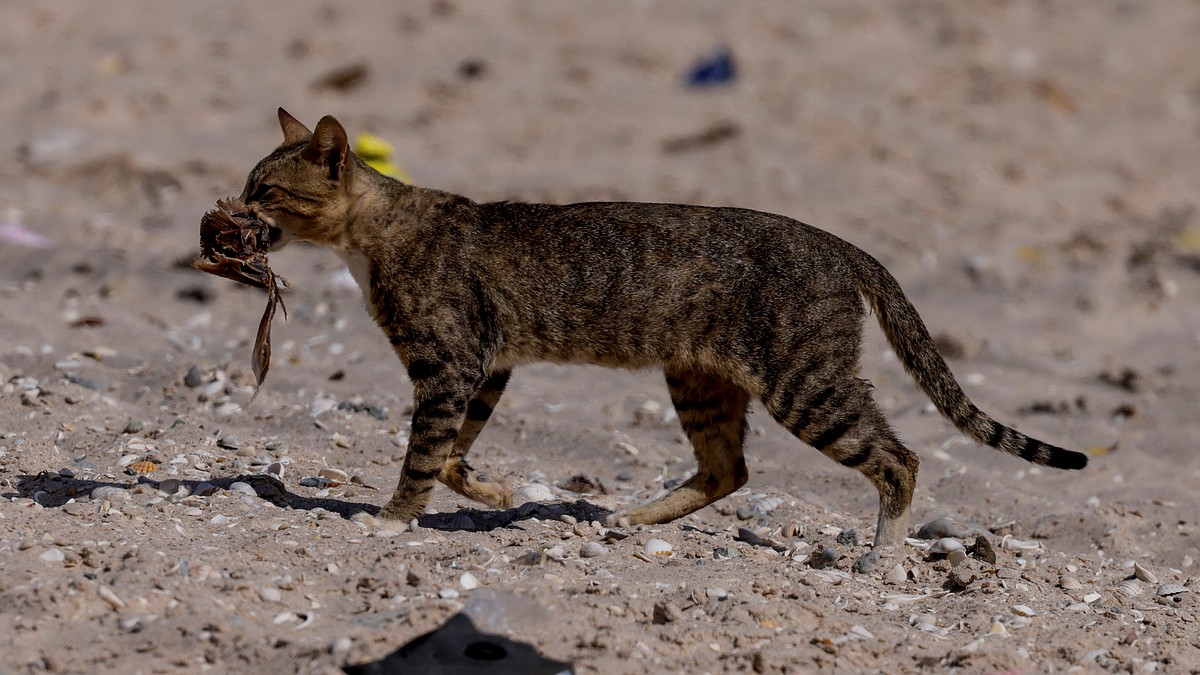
274	237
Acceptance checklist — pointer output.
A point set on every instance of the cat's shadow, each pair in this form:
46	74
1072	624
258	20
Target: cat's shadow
52	490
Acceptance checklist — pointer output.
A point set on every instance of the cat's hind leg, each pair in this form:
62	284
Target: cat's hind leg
481	486
712	411
838	417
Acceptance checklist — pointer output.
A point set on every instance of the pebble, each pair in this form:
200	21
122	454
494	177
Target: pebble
193	378
270	594
468	581
1023	610
657	547
535	492
204	489
66	473
335	475
193	511
169	486
244	488
592	549
848	537
868	563
134	427
53	555
275	469
941	528
229	442
219	520
448	594
1091	597
956	557
898	574
315	482
823	558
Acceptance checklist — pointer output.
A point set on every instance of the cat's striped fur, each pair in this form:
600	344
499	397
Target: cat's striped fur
734	306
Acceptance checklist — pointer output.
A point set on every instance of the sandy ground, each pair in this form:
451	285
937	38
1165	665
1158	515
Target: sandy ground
1030	171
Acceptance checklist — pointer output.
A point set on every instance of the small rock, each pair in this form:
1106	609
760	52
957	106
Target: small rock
204	489
848	538
665	612
898	574
219	520
1023	610
868	563
468	581
229	442
53	555
193	378
941	528
275	469
134	427
270	594
823	558
956	557
592	549
169	486
448	594
66	473
314	482
193	512
716	593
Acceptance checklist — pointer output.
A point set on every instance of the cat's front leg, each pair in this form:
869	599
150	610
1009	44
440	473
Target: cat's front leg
440	396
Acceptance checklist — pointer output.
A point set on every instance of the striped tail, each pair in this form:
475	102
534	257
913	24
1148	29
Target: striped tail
909	338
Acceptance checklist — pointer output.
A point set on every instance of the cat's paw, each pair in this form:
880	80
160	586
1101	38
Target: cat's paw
400	511
480	486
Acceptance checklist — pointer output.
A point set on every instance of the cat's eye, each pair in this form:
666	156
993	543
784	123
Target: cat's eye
264	193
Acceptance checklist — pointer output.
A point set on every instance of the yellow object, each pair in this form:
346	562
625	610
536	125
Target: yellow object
377	153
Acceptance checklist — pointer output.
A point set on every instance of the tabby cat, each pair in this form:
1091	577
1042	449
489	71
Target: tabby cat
734	305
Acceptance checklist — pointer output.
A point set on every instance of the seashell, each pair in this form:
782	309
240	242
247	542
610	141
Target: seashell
999	629
1091	597
657	547
1144	574
1023	610
945	546
449	594
468	581
141	468
592	549
942	528
275	469
1012	543
791	530
905	598
1069	583
126	460
956	557
1166	590
244	488
229	442
1130	588
109	493
219	520
335	475
534	492
898	574
759	508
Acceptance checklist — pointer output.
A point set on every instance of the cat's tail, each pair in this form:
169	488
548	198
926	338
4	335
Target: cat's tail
909	338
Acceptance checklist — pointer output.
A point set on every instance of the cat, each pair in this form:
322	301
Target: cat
734	305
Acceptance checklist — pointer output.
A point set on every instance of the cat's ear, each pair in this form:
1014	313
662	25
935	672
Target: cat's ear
293	130
329	146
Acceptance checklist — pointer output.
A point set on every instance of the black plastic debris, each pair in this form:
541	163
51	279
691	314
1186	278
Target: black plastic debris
457	648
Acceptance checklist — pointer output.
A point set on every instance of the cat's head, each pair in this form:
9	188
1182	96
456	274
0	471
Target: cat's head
304	189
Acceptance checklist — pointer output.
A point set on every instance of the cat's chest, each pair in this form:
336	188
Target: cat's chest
360	269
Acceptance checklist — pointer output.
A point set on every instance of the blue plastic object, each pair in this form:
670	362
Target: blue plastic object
712	70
